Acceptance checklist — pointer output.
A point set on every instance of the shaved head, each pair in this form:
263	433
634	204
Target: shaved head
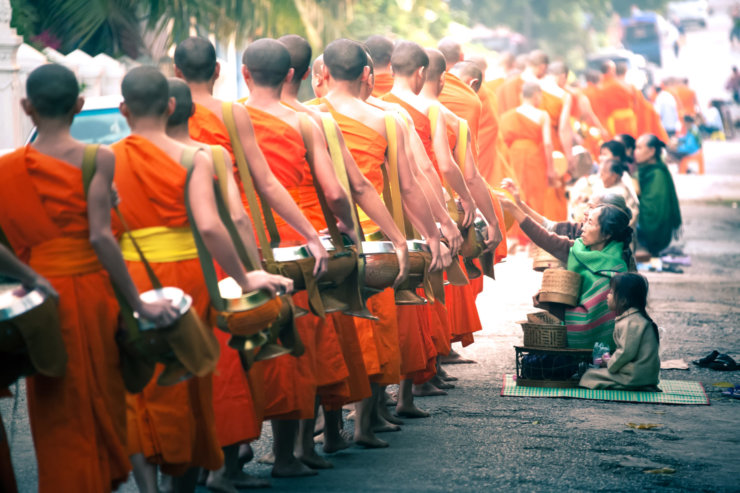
318	65
196	59
621	68
468	71
451	50
407	58
52	90
608	67
268	62
537	58
345	59
300	55
506	60
437	64
145	92
593	76
530	90
480	61
558	68
380	49
183	102
520	62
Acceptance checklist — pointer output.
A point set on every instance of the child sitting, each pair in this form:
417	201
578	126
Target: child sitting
635	363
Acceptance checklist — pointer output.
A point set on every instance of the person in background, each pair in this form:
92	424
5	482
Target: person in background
667	108
712	120
733	83
635	364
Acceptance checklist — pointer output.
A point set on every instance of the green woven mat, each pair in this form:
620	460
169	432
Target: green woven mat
674	392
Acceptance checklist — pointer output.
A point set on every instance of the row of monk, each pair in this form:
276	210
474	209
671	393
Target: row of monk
403	160
412	136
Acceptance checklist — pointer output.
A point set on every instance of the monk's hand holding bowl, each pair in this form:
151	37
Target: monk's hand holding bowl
494	238
446	255
402	254
319	253
276	285
161	312
349	231
437	262
469	211
452	234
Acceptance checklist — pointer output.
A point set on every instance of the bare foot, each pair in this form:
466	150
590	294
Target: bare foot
370	442
390	398
410	412
454	358
438	382
220	484
351	415
294	469
449	378
243	480
315	461
427	390
386	415
386	428
246	454
341	443
318	438
268	458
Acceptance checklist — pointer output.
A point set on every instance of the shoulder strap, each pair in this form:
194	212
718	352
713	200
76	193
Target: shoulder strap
337	159
89	165
392	187
331	220
246	178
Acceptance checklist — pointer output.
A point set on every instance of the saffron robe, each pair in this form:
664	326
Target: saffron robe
509	94
78	422
616	109
172	426
523	138
383	84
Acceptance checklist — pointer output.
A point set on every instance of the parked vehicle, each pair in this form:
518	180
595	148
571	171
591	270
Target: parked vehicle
99	122
647	33
638	72
689	12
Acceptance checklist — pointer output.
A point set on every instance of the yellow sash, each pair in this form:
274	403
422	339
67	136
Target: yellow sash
621	115
160	244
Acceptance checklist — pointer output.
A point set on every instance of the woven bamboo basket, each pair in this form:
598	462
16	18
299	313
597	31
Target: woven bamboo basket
543	318
544	335
544	260
560	286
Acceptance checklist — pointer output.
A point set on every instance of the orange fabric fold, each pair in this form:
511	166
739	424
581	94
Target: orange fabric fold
612	95
383	84
207	127
509	94
493	164
523	138
172	426
83	413
64	256
422	125
459	98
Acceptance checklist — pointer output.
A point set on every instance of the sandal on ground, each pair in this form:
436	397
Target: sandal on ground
704	362
724	362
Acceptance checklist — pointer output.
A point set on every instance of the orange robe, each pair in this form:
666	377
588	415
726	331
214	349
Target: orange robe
383	84
322	365
459	98
523	137
686	101
648	120
78	422
172	426
556	203
379	339
616	109
237	401
509	94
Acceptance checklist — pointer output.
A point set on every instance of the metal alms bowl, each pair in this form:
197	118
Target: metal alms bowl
176	296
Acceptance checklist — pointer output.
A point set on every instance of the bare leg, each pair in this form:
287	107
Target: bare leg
246	454
187	482
378	421
230	478
283	440
145	474
454	358
406	407
442	373
333	437
383	408
364	435
427	389
305	449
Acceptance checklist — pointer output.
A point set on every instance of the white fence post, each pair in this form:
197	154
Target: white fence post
10	92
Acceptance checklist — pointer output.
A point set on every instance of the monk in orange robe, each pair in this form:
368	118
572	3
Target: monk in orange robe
364	193
64	232
278	131
380	49
238	400
171	426
616	108
526	132
347	65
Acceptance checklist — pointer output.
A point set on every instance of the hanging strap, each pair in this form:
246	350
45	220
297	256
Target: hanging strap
221	191
391	183
331	220
246	178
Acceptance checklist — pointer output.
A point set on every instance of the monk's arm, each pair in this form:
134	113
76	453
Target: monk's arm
239	216
428	182
547	144
336	198
99	204
13	268
451	171
565	131
275	194
587	113
215	237
483	199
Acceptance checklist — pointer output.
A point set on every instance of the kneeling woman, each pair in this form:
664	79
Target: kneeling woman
635	364
602	251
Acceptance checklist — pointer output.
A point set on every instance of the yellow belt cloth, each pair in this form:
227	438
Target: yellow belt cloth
620	115
64	256
160	244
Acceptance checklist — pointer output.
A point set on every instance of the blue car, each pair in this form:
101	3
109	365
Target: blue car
641	34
